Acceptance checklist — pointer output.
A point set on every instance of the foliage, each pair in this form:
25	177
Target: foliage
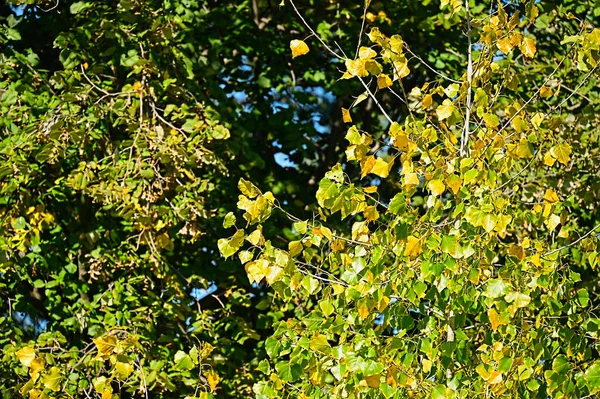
476	276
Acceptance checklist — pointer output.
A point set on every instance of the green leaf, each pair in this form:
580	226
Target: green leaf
183	361
79	6
592	377
51	380
496	288
288	372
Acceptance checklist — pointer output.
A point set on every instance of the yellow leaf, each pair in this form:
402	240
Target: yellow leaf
26	355
363	310
273	273
326	233
371	213
36	366
298	48
491	120
562	153
445	110
411	179
346	116
206	350
136	86
370	189
535	259
545	92
524	149
413	247
212	378
427	100
551	196
381	168
107	394
256	237
537	119
383	81
549	159
505	45
436	187
528	47
123	370
366	165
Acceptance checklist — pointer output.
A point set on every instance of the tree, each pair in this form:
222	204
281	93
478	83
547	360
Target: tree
462	261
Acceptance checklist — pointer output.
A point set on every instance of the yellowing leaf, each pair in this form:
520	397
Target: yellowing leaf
426	365
346	116
381	168
454	182
519	124
294	247
256	237
373	381
51	380
106	345
383	81
212	378
524	149
26	355
319	343
436	187
562	153
445	110
528	47
370	189
371	213
230	246
413	247
298	48
491	120
123	370
494	318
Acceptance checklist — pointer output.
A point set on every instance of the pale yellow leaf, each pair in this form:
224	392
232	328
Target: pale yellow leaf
411	179
445	110
26	355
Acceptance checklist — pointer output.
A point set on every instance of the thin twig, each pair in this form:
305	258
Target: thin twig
573	243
